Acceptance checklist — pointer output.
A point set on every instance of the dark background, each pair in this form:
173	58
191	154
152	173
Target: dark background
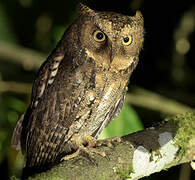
166	66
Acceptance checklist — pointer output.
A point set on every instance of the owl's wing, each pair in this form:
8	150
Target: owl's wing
36	93
15	141
113	113
116	109
40	134
45	76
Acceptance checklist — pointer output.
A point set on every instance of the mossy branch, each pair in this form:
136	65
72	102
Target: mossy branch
138	155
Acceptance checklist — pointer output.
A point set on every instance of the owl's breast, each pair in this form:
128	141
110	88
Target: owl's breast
102	95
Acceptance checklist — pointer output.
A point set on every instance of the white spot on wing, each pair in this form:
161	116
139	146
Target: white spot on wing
108	93
54	68
79	77
55	65
91	98
42	88
35	104
45	80
53	73
50	81
59	58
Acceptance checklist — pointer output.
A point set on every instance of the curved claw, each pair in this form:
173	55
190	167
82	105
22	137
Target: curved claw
90	148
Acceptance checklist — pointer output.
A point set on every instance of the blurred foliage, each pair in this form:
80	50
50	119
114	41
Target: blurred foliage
127	122
166	63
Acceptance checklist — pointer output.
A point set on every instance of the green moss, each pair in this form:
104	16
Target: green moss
123	174
131	170
49	176
126	173
185	124
14	178
154	154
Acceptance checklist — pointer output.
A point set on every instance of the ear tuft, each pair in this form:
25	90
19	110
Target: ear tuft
83	9
139	17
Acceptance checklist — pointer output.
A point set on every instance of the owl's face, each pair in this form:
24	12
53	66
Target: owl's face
112	40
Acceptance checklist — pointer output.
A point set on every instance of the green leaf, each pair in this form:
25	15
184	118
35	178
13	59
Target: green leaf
127	122
16	104
58	32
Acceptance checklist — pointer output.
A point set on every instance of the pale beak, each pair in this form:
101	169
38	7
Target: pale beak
112	53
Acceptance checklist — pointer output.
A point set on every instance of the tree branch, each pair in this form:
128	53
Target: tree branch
29	58
16	87
138	155
153	101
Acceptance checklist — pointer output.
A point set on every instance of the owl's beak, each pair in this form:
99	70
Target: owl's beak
112	50
112	53
112	56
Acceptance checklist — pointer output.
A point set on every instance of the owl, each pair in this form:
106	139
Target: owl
81	86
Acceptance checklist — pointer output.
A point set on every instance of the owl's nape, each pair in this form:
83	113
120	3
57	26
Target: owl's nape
81	87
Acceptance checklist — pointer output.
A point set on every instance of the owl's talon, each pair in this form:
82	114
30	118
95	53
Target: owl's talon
71	156
108	142
92	142
85	151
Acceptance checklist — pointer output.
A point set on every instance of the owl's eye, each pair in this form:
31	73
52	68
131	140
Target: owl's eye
99	36
127	40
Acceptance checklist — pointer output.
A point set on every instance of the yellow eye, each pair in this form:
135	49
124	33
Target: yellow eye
127	40
99	36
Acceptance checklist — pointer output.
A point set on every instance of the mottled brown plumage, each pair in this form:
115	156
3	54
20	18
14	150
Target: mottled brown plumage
81	86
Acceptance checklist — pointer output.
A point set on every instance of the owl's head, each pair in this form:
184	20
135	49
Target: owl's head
112	40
